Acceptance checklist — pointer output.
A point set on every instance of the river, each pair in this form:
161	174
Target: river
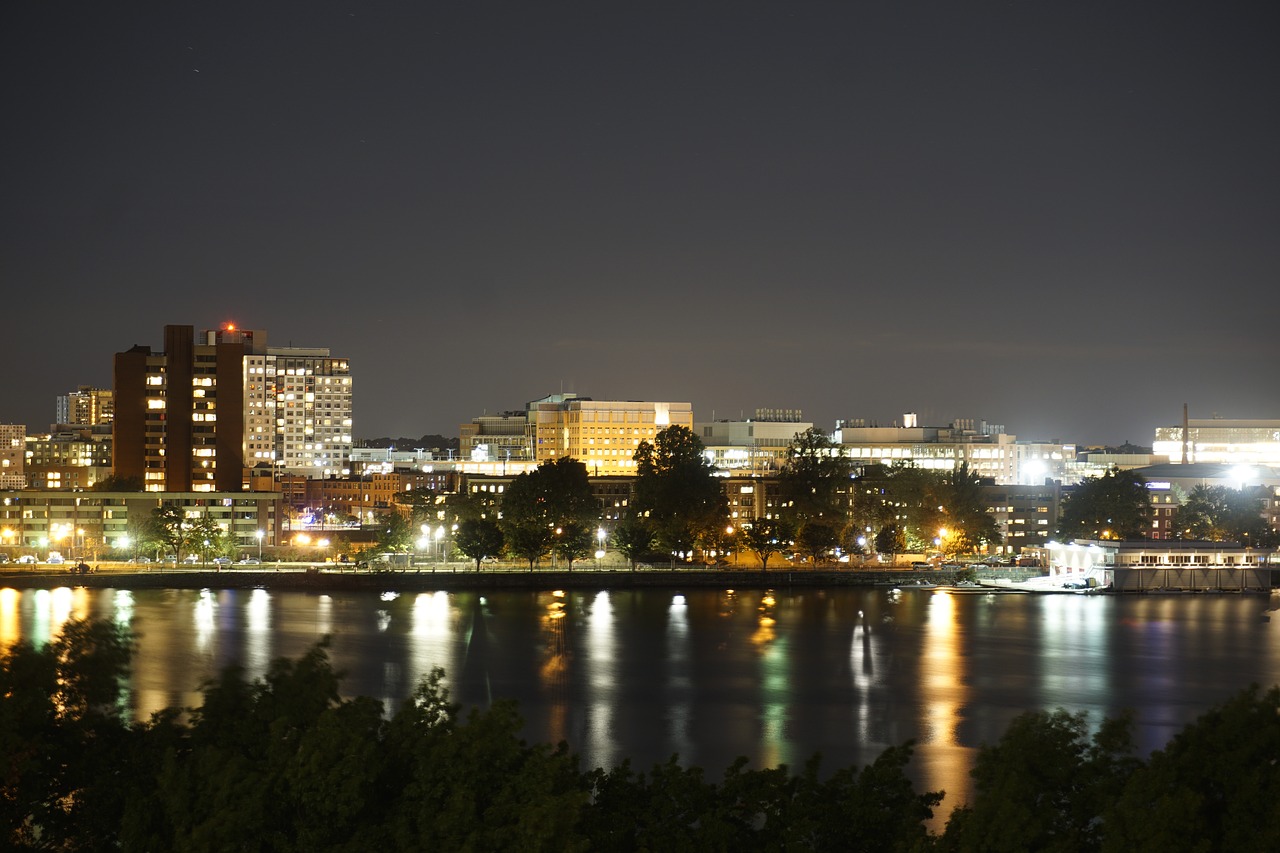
774	675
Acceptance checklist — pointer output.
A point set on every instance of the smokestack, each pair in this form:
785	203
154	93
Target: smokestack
1186	434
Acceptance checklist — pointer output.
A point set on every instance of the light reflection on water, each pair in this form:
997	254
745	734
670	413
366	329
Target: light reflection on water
712	674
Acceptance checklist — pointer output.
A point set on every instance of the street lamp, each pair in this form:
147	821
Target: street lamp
258	534
599	546
439	536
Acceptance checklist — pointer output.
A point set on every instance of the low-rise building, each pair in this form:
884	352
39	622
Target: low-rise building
88	525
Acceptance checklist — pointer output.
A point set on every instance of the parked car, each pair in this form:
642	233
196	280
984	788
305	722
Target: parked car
27	559
190	558
55	559
222	561
250	561
4	558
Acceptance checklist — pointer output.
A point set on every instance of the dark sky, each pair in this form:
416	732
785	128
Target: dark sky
1061	216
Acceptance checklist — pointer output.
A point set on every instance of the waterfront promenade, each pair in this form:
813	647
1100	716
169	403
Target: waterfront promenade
459	575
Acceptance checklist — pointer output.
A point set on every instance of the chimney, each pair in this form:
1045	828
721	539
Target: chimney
1185	434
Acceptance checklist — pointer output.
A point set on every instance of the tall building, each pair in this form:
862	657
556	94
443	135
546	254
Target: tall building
86	406
193	416
179	422
297	415
13	450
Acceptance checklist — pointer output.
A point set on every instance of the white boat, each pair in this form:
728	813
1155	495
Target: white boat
1091	582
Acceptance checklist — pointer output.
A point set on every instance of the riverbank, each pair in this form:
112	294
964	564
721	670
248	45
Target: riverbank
459	576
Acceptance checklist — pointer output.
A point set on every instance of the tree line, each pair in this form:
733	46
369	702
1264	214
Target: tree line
817	507
285	763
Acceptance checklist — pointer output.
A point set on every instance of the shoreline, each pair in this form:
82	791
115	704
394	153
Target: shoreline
317	580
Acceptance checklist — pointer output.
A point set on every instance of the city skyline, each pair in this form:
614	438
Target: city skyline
1058	219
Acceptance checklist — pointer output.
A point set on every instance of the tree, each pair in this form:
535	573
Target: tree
423	503
178	534
677	490
530	542
967	521
633	538
394	535
64	737
120	483
764	538
891	540
1221	514
1043	785
817	537
206	537
556	493
572	542
1113	506
479	539
816	477
1215	784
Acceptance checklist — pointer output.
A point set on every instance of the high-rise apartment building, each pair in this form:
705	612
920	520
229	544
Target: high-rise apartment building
192	417
297	406
179	421
86	406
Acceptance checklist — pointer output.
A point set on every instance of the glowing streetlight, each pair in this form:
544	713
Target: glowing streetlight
440	536
258	534
599	546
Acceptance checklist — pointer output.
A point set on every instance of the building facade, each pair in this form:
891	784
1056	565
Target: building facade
985	448
193	416
86	406
13	453
179	423
756	446
1222	441
93	525
298	405
72	458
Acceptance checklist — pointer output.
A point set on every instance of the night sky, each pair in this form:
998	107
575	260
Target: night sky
1061	217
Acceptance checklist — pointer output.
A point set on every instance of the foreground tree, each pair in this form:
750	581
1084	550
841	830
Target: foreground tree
284	763
64	737
1213	787
1043	786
